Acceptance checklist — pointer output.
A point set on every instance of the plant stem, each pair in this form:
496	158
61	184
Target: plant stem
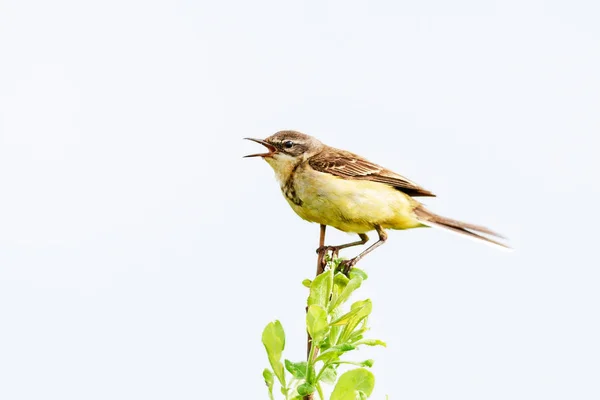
325	365
309	359
320	390
312	351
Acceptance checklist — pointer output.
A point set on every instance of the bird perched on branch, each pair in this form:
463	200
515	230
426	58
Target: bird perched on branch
334	187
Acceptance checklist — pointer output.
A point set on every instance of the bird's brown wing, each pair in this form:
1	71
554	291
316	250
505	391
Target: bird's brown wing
351	166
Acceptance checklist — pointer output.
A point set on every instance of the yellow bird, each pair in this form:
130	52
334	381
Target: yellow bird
337	188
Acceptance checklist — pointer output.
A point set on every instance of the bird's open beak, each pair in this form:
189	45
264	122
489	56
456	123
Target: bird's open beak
272	149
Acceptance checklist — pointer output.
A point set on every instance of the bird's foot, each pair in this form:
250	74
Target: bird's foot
347	265
322	262
325	249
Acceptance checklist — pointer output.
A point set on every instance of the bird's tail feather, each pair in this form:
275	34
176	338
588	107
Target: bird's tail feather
478	232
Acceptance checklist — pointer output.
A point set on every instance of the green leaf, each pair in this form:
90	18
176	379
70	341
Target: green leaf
351	286
368	363
320	289
358	333
305	389
329	374
325	343
346	347
273	339
330	355
316	323
306	283
333	263
340	281
335	331
356	336
269	380
352	383
359	308
334	352
371	342
358	272
298	370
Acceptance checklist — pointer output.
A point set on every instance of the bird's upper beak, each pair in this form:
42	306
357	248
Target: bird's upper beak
272	149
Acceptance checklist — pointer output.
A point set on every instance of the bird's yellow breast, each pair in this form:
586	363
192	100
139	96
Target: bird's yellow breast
348	205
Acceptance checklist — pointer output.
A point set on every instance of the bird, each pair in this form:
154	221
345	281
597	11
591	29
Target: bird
340	189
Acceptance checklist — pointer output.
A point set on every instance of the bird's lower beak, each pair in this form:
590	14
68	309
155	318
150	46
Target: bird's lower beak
272	149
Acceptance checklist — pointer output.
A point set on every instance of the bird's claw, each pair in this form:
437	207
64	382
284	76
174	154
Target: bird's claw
323	262
324	249
347	265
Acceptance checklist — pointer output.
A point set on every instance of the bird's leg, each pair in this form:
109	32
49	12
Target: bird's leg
348	264
336	249
321	254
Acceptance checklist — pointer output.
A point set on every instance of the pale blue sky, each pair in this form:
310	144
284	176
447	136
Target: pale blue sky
141	256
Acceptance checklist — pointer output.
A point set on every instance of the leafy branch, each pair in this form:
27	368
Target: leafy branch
335	330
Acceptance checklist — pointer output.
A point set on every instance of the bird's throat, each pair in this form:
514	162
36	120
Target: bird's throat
284	166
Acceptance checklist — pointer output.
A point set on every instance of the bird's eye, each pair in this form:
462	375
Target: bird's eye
288	144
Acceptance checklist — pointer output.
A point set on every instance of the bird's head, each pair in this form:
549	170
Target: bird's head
287	148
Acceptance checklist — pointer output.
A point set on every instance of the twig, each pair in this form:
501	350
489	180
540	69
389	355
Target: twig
320	269
320	263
